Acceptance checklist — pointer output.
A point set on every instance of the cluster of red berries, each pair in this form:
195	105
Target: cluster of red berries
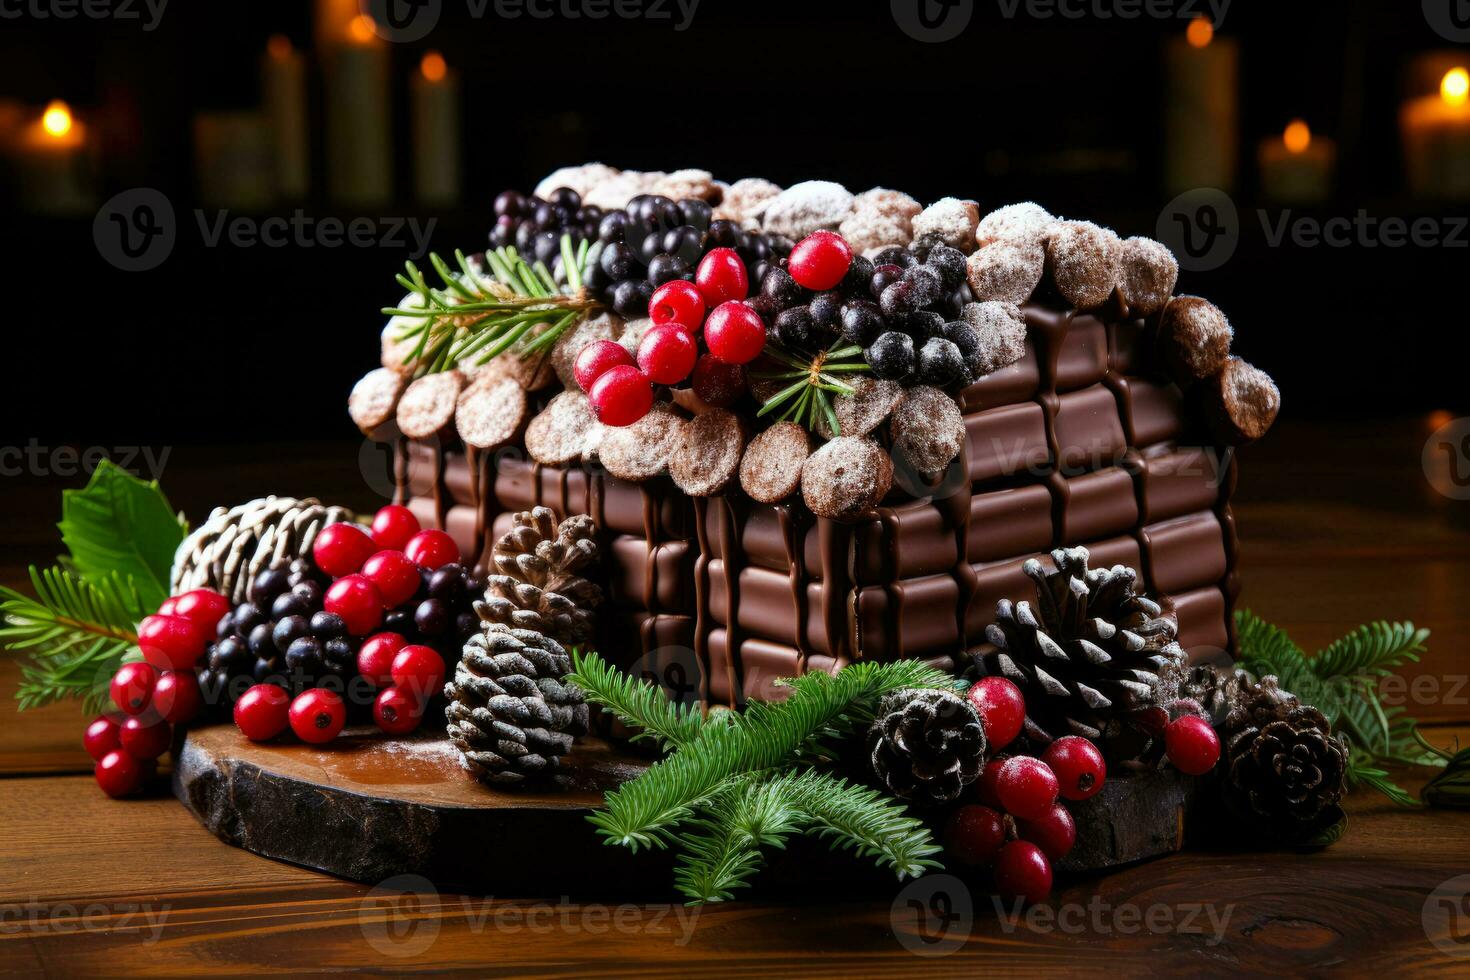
374	573
155	693
1019	825
711	309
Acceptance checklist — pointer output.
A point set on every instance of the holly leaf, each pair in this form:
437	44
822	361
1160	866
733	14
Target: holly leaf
119	525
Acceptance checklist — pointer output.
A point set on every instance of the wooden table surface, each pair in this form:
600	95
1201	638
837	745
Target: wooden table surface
1339	524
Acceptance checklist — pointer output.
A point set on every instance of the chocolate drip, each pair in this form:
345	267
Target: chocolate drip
839	618
795	523
648	634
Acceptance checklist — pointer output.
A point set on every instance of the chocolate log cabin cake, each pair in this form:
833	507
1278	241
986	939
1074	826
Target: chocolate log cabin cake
1101	410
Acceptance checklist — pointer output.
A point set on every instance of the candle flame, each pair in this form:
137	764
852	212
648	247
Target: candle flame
1201	32
57	119
362	29
279	46
1455	87
1298	136
434	67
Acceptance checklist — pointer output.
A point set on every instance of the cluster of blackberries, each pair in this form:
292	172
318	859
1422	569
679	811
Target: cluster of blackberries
535	227
910	329
657	240
282	634
802	320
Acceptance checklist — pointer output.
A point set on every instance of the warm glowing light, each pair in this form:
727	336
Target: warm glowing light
279	47
362	29
1438	419
1201	32
1298	136
57	119
1455	87
434	67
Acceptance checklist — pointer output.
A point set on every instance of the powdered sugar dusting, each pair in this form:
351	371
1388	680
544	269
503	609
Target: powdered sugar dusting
812	205
880	217
1001	329
846	477
1026	223
771	469
746	199
928	430
1150	273
952	221
642	450
1006	270
566	430
428	404
709	455
580	179
373	398
1084	261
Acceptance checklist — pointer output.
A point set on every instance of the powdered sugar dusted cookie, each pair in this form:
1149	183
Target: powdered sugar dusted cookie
427	406
880	217
683	184
1026	223
708	456
1150	273
858	414
1194	337
928	430
950	220
642	450
1001	330
812	205
771	468
490	412
846	478
1008	271
746	199
566	430
374	398
1084	261
580	179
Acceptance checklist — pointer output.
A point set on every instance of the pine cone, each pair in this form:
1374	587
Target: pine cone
1285	771
1089	657
926	745
510	714
539	588
1214	689
235	544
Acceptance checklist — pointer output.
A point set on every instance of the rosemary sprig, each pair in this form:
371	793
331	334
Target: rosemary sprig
814	380
473	318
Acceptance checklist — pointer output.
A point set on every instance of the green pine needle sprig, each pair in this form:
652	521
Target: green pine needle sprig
472	317
731	787
1343	681
813	382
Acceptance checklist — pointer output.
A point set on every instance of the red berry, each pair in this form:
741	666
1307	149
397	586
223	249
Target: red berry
1022	871
144	739
666	354
101	737
678	301
169	606
419	670
1001	707
397	712
263	712
119	774
375	658
820	260
171	642
721	277
735	333
357	600
1027	787
987	787
596	359
1192	745
393	525
974	834
396	577
716	383
203	607
1054	832
340	549
317	716
431	549
132	687
621	396
176	696
1078	765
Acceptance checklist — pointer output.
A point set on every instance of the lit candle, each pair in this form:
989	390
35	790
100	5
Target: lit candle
283	85
1297	167
1436	133
359	123
436	132
1202	115
54	166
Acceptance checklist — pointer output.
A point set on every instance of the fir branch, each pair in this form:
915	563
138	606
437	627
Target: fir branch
805	400
636	703
866	822
768	735
75	633
520	307
724	852
1450	788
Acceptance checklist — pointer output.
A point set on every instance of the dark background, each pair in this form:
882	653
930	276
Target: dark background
230	344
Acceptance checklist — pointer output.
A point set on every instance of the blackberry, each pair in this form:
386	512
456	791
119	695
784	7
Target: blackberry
900	299
826	310
894	255
891	356
666	268
724	233
926	284
883	277
923	325
696	212
921	248
781	288
631	296
612	226
949	264
510	204
963	336
684	241
618	261
859	277
940	363
766	309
